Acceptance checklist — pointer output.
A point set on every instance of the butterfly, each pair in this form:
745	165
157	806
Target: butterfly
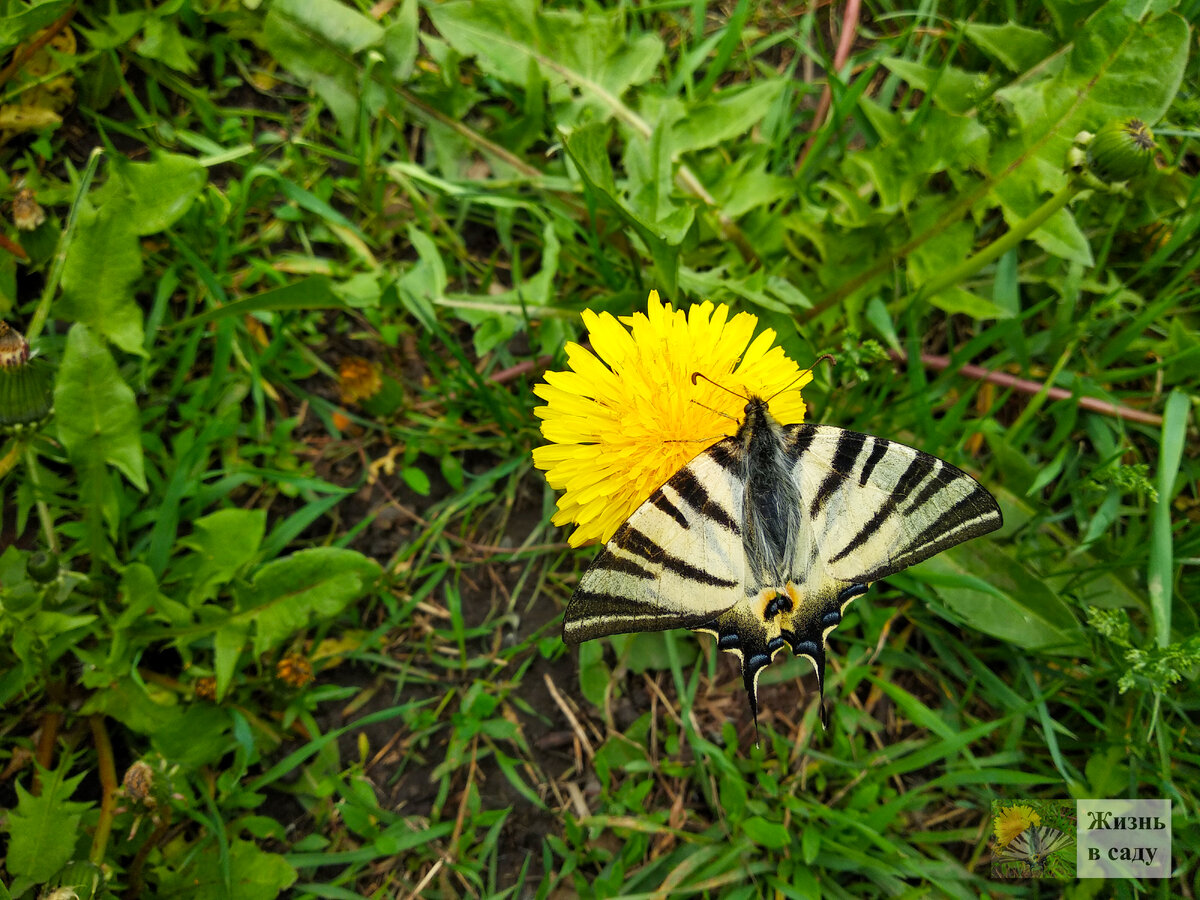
765	537
1033	845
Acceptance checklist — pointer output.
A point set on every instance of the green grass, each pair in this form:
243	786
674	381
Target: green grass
439	194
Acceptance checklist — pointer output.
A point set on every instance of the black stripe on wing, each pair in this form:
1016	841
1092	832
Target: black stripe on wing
849	446
594	614
693	492
632	541
920	466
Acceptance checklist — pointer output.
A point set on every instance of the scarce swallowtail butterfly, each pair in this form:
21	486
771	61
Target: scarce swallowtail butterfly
765	537
1032	847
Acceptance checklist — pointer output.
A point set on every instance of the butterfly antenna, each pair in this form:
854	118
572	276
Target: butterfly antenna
696	375
820	359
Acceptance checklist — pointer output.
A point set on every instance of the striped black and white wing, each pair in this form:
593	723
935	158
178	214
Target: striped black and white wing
876	506
677	562
1034	845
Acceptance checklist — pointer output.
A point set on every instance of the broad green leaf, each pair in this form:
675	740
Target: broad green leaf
19	23
1021	194
423	283
160	191
163	41
958	300
254	874
1014	46
319	41
141	707
306	587
222	544
104	261
999	596
953	89
767	834
228	643
96	413
590	51
43	829
201	735
417	480
594	674
400	41
728	114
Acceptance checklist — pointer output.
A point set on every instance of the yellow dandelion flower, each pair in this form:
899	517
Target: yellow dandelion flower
627	416
1011	821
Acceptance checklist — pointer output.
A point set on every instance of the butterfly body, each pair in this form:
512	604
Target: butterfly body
765	537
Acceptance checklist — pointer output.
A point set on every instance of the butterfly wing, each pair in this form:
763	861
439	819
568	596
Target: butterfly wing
1033	845
677	562
878	507
870	508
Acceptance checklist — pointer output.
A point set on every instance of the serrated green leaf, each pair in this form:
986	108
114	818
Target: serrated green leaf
952	88
228	643
253	873
1014	46
590	51
43	830
319	41
302	589
96	413
222	544
728	114
103	263
160	191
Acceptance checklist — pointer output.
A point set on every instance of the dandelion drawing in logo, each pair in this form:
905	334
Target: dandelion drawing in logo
1026	846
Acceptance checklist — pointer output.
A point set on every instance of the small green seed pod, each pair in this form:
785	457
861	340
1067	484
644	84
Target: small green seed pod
42	567
1121	150
26	385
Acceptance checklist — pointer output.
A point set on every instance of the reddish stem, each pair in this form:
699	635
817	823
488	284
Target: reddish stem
1025	386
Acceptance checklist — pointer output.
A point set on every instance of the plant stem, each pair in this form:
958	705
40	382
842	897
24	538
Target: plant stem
108	787
43	510
1001	245
10	458
60	254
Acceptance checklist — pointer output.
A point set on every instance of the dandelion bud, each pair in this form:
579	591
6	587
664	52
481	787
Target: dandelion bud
42	567
26	385
1121	150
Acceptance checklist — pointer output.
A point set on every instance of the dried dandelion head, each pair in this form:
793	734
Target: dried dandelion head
294	670
359	379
